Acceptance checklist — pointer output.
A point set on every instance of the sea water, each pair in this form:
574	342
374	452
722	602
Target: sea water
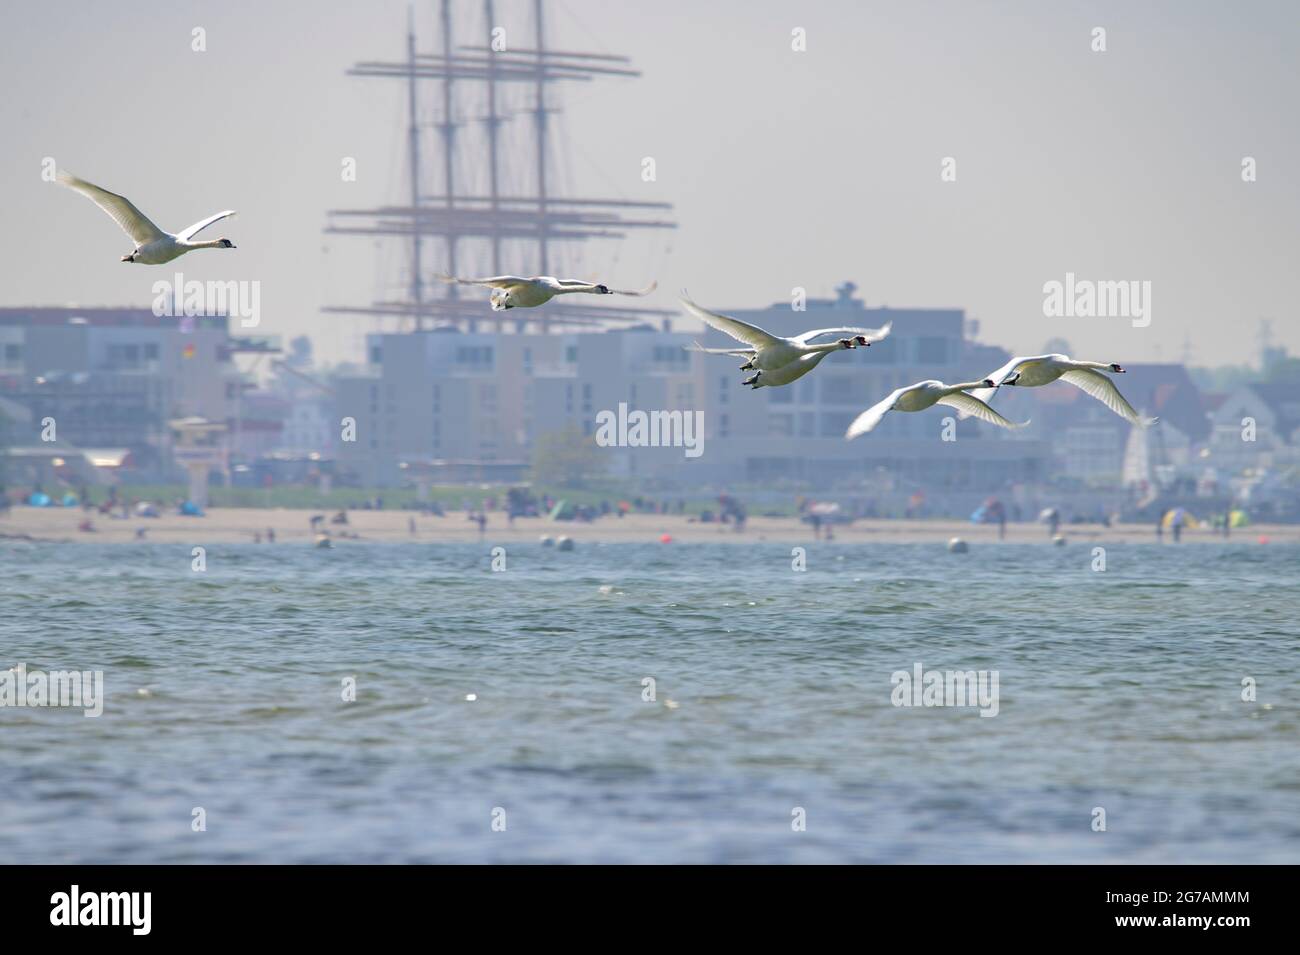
653	703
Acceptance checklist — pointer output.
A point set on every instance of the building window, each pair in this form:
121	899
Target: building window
837	390
931	350
884	352
835	424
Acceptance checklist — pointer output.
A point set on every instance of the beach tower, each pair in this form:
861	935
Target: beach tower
1137	459
198	445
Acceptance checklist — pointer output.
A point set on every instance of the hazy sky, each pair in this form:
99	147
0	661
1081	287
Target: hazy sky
786	168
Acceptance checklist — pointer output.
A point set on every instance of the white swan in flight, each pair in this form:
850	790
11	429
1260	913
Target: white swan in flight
770	353
792	370
925	394
1086	375
512	291
153	246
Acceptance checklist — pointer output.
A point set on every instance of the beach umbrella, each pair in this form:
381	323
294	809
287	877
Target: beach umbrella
1180	517
39	500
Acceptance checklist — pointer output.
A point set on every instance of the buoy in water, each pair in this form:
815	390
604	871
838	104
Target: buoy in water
546	541
958	546
564	543
665	538
323	541
1059	540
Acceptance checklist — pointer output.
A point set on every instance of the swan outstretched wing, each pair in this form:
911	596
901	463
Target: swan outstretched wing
188	233
971	407
998	377
1103	389
740	331
738	352
131	220
498	281
871	417
870	334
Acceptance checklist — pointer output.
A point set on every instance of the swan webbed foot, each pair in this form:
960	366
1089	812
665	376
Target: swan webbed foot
751	380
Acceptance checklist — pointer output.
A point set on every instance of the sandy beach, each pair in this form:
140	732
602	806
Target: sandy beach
292	526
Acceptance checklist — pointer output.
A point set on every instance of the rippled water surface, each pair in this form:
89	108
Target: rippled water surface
1119	689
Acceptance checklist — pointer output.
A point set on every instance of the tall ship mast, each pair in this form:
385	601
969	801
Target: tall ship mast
501	213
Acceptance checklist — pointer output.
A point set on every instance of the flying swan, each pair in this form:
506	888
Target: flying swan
511	291
153	246
1086	375
778	361
925	394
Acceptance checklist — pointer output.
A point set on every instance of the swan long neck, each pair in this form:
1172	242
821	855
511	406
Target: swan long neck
1099	365
823	349
968	386
566	289
206	244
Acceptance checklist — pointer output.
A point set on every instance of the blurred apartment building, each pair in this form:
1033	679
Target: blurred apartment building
112	379
458	406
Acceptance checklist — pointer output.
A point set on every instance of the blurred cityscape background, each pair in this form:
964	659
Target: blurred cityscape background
447	394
